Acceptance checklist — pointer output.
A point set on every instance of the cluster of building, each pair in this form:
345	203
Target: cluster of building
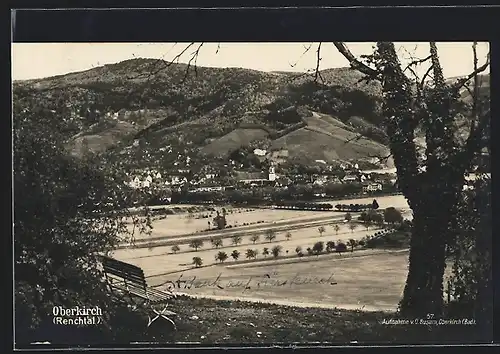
152	178
208	180
369	183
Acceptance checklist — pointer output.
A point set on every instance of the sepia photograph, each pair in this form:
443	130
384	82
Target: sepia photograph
252	193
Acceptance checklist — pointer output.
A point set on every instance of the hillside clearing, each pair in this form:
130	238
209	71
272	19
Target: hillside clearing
234	140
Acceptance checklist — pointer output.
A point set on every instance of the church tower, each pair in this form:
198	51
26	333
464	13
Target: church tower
272	174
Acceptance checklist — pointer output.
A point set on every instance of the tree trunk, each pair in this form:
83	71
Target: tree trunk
483	311
433	195
423	292
434	215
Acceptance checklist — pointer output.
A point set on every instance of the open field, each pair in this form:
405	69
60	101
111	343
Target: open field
162	257
243	232
369	279
234	140
372	282
158	260
182	225
326	139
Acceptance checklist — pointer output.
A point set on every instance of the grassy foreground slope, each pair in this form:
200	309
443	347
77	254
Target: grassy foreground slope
240	322
211	322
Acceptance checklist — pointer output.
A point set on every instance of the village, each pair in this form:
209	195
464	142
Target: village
208	178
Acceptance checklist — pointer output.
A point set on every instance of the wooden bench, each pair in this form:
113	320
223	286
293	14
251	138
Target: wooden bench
129	279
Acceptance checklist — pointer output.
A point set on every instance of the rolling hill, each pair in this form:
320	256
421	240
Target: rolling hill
328	139
137	108
232	141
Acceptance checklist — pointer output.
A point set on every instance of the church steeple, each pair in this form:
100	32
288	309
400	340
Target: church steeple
272	173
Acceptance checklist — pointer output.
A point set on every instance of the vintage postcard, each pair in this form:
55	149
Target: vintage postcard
280	193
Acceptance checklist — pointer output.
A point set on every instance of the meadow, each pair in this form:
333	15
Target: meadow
182	223
369	279
373	281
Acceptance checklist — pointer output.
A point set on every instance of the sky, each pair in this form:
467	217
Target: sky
39	60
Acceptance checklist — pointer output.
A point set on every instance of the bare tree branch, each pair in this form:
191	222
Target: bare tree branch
160	65
475	141
299	76
475	96
417	79
354	62
419	82
194	56
422	82
461	82
308	72
471	92
416	62
317	72
439	120
306	49
479	122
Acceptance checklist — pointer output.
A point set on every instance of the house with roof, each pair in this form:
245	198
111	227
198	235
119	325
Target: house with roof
253	179
260	152
372	187
135	183
320	180
334	179
208	189
350	178
283	181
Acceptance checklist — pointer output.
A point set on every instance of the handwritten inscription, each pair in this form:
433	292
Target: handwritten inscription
253	282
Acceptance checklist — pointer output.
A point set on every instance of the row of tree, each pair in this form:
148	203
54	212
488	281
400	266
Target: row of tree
357	207
390	216
318	248
387	239
303	206
275	251
270	235
321	247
